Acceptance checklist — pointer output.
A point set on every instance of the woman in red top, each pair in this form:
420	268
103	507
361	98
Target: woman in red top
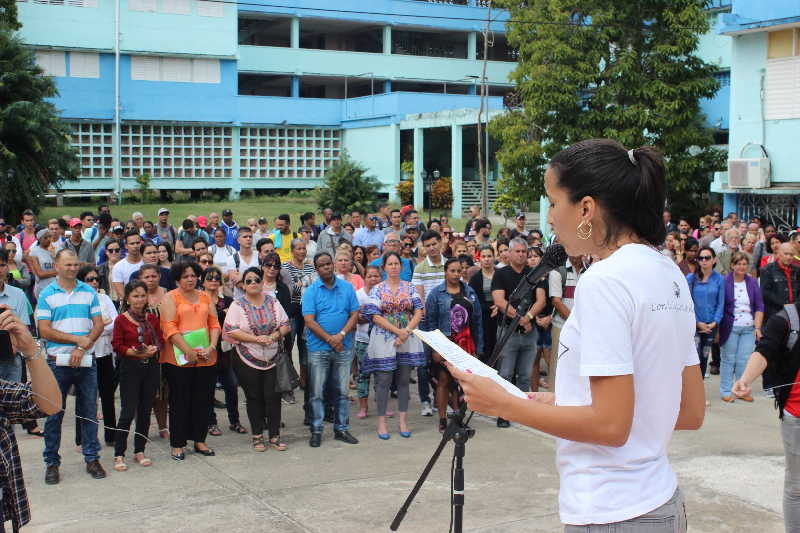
136	341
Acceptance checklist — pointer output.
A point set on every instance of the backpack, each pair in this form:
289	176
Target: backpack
794	325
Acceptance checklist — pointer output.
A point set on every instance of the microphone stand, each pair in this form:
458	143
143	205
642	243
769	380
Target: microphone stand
459	432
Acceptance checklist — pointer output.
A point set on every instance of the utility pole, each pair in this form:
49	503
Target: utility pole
483	169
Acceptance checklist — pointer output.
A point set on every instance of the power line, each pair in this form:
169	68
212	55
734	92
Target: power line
432	17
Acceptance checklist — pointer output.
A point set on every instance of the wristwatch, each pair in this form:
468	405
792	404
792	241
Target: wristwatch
529	316
37	353
343	333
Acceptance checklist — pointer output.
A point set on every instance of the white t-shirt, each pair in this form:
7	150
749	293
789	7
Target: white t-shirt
123	270
633	314
224	257
244	264
362	330
742	316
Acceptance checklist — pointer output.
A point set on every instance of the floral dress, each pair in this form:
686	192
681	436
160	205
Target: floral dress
398	308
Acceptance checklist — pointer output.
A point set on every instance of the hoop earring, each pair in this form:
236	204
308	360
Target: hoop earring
584	233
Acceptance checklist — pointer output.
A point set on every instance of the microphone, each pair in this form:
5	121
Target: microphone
554	256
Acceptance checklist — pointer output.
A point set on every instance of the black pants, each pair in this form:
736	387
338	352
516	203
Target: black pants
138	383
107	380
191	392
263	403
489	331
227	377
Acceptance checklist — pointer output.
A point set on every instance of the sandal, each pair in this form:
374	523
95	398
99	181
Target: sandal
119	464
35	433
258	443
276	444
214	430
141	459
238	428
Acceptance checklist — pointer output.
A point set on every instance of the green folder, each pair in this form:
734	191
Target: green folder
195	339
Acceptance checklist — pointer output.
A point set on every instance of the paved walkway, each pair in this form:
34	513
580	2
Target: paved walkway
731	472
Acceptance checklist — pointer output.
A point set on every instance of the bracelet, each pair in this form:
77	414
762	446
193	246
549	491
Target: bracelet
343	333
529	316
80	348
39	349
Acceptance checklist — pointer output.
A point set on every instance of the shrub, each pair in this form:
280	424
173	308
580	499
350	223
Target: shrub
442	193
347	186
405	190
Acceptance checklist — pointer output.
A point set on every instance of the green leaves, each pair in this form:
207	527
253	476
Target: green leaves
35	151
605	68
347	187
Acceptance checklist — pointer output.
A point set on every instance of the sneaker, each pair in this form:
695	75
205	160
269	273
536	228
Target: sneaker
288	398
315	440
345	436
51	476
450	410
713	370
503	423
426	409
95	469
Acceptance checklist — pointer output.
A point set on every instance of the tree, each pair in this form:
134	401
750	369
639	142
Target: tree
8	15
347	186
35	150
605	68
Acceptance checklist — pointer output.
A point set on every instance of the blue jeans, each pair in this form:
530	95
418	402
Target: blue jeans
735	353
703	343
321	366
517	359
85	381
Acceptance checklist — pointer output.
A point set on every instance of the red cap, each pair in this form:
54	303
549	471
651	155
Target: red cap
405	209
202	222
74	222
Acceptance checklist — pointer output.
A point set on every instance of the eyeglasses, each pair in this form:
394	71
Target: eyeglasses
204	261
392	241
704	258
271	265
93	278
251	281
406	245
214	277
112	250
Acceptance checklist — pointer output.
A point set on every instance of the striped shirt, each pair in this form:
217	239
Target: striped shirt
428	276
68	312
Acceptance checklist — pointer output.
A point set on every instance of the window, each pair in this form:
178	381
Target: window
210	8
84	65
175	69
723	77
781	44
53	63
783	75
142	5
94	144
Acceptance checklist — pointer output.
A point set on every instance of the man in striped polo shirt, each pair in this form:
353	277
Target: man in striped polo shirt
69	320
428	275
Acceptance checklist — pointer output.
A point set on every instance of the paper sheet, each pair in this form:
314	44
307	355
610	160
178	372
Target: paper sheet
62	359
456	356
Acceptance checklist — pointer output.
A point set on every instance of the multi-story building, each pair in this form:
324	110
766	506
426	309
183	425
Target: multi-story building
764	108
224	94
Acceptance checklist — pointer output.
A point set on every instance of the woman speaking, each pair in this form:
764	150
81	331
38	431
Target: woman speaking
628	370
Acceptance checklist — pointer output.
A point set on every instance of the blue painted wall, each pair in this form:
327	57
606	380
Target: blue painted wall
67	26
88	98
753	14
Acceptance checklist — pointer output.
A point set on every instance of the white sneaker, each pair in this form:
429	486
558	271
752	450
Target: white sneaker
426	409
450	410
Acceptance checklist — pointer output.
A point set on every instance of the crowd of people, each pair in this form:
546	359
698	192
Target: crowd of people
165	314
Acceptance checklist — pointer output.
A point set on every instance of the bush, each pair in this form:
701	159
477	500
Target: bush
442	193
405	190
347	187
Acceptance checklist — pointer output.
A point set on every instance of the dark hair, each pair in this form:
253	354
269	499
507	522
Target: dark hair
481	223
691	242
320	254
272	257
28	213
483	247
244	229
306	216
179	267
86	214
387	255
187	223
450	261
285	218
211	270
699	272
464	258
371	267
129	288
262	241
199	239
780	236
738	256
4	255
221	229
84	271
633	195
253	270
363	261
131	233
147	243
170	252
536	251
153	267
430	234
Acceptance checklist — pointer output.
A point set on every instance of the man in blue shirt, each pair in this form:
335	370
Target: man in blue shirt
231	229
330	310
369	234
69	319
391	243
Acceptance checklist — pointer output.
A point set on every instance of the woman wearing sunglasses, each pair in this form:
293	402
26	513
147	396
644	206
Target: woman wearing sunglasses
255	324
708	293
113	253
137	341
275	285
102	350
212	284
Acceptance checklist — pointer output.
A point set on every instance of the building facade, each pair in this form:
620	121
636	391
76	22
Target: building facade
764	106
237	95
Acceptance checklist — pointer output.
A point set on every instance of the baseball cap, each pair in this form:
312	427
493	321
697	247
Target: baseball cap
201	221
405	209
74	222
163	211
520	214
227	212
41	233
262	220
117	228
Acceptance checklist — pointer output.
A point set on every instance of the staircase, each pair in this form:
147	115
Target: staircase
471	194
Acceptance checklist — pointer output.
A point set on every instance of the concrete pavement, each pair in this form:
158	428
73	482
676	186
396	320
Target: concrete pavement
731	472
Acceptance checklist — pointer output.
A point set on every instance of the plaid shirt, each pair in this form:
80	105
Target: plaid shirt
16	406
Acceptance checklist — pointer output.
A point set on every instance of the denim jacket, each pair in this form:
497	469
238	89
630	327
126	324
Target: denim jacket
708	296
437	313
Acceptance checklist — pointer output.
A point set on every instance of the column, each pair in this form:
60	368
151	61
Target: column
729	203
544	206
387	86
457	166
295	33
295	86
419	166
236	178
387	40
472	45
395	155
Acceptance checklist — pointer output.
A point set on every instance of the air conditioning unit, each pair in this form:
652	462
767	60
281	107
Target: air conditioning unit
748	173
